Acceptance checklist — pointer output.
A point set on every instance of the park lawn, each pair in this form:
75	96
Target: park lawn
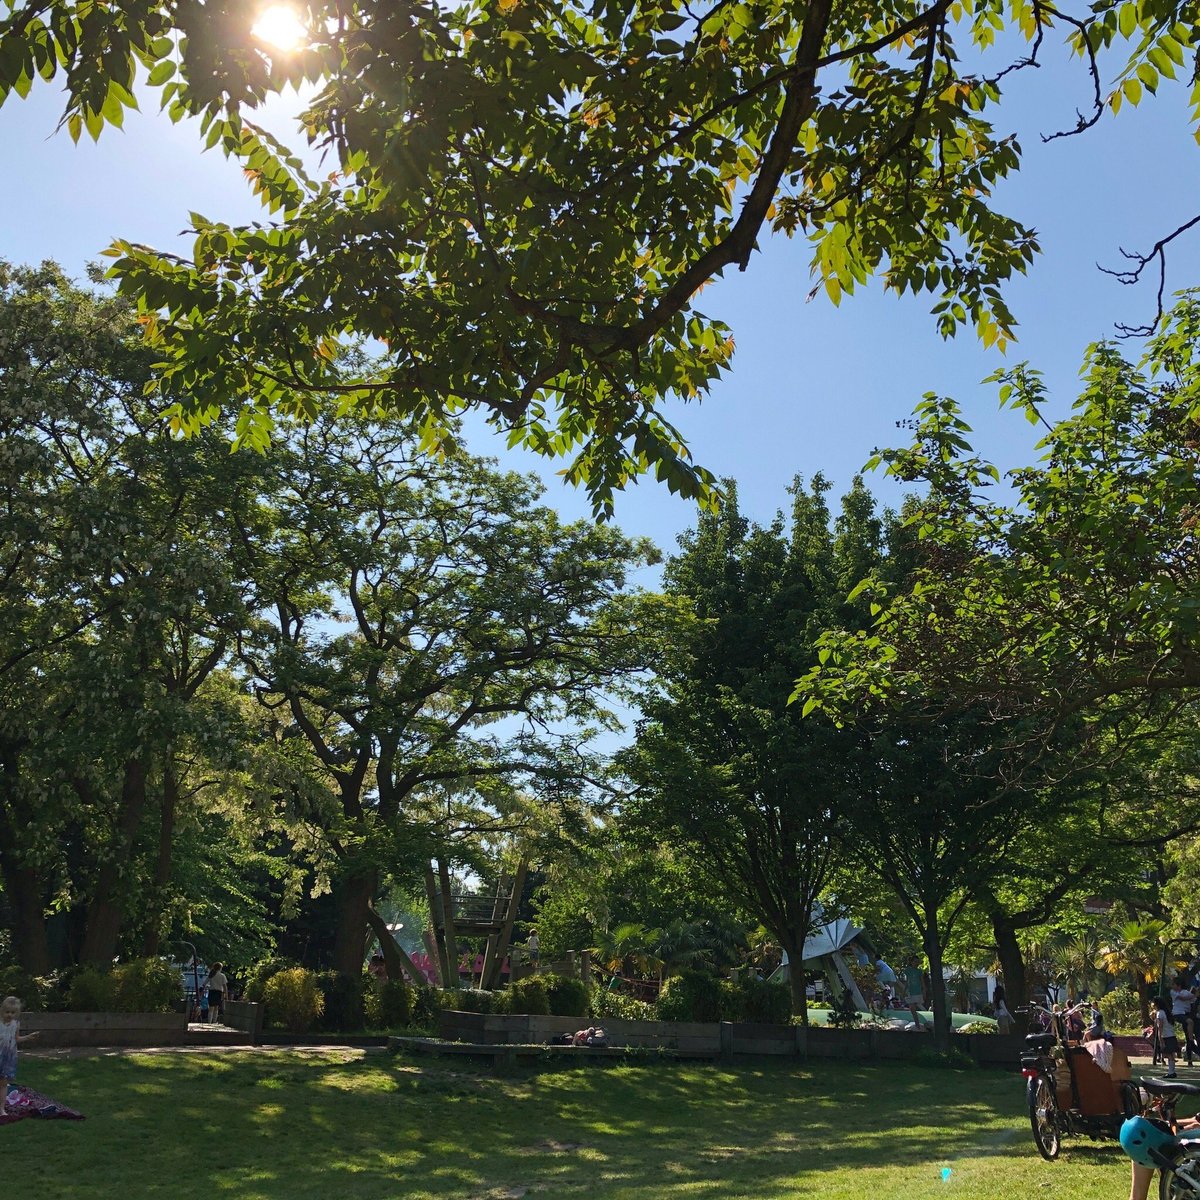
294	1125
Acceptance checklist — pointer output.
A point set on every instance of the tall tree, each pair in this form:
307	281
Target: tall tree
484	642
528	197
726	769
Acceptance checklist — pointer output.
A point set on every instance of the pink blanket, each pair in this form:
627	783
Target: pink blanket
25	1102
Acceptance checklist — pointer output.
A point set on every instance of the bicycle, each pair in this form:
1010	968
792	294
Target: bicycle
1082	1100
1151	1139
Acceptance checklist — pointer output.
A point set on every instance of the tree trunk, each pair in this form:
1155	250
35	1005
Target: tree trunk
937	985
106	909
1012	967
355	893
452	977
435	916
22	890
795	953
22	887
152	940
1143	992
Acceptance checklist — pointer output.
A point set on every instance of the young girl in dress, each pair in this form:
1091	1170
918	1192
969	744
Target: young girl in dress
10	1035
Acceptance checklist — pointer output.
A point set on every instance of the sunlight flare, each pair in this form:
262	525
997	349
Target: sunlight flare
280	26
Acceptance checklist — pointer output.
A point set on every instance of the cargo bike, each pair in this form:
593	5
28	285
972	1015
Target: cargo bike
1068	1092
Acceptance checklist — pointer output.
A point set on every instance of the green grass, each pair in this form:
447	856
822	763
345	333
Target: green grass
334	1125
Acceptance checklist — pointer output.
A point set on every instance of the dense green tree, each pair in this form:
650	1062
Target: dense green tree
528	197
484	641
1075	595
726	770
118	606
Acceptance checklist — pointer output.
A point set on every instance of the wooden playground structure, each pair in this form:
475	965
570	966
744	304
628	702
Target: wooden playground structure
460	914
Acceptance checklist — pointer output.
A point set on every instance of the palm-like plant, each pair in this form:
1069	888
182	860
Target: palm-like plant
1077	960
1135	950
629	951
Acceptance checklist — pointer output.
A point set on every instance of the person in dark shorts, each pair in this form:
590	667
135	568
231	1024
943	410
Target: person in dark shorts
218	987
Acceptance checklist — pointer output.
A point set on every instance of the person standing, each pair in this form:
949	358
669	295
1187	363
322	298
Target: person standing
217	986
1166	1034
532	948
1000	1004
10	1035
914	989
1183	1000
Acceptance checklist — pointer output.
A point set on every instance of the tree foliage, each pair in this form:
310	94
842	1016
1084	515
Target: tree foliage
1078	592
230	680
745	787
528	197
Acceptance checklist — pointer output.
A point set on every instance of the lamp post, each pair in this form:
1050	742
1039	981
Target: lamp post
195	978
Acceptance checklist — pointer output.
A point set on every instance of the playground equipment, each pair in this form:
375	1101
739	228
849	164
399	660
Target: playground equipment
471	915
823	952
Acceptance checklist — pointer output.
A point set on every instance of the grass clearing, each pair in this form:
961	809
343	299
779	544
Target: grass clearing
322	1125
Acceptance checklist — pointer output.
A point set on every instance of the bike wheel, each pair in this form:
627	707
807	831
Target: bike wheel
1043	1117
1183	1183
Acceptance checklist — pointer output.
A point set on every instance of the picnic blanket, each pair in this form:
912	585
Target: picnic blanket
25	1102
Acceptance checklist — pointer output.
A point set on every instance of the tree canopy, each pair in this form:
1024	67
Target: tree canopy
1078	592
525	199
727	770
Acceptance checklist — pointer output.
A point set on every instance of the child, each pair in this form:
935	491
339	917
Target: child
1166	1033
10	1035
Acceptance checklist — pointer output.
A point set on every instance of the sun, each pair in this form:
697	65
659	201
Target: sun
280	27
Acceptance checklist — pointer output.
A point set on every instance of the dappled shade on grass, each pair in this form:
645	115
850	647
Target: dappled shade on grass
270	1126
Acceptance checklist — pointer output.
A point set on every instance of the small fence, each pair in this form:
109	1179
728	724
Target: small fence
731	1039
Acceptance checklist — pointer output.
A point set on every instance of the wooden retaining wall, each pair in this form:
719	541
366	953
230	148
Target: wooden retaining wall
731	1039
245	1017
105	1029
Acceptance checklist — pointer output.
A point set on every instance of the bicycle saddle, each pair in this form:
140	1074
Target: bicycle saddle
1168	1087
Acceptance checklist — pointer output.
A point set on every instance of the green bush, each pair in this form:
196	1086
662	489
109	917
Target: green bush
343	994
616	1006
528	996
33	992
91	990
696	996
843	1014
427	1007
261	972
761	1001
567	997
1121	1009
977	1027
293	999
145	985
474	1000
388	1004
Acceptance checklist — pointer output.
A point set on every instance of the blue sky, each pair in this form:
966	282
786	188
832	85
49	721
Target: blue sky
813	387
